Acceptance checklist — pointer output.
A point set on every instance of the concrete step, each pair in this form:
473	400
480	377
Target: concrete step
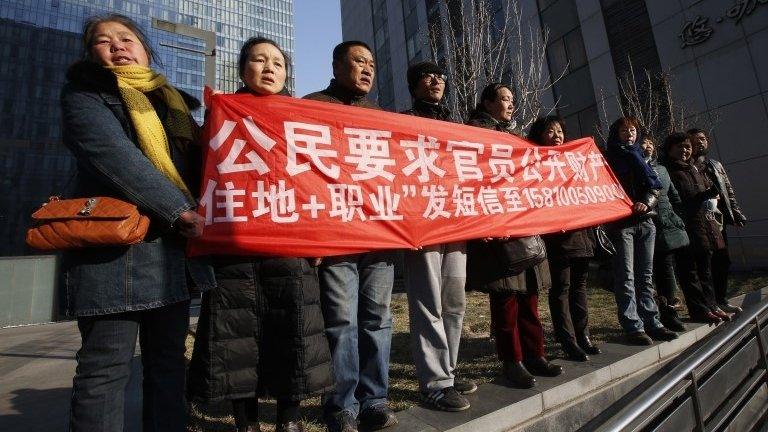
566	402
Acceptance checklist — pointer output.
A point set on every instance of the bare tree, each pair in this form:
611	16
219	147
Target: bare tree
649	98
482	41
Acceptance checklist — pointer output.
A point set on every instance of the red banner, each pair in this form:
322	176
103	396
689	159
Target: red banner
292	177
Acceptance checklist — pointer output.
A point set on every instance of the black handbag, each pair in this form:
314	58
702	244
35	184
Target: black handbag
519	254
604	248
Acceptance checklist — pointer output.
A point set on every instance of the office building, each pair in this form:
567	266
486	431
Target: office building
198	42
712	50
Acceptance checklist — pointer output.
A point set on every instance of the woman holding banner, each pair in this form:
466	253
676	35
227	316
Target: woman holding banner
634	236
513	293
261	331
568	254
134	139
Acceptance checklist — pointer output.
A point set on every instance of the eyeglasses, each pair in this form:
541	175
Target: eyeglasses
433	76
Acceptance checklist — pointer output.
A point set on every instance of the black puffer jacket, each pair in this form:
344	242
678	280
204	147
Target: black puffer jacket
261	332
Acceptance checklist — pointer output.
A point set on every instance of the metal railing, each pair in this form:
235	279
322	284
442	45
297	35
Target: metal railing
721	384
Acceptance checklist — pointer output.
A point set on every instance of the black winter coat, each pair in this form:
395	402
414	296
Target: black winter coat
261	332
485	271
693	186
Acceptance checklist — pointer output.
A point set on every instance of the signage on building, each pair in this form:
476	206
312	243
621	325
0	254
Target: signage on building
699	30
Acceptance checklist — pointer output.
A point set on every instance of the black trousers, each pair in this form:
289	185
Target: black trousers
694	273
721	262
664	273
568	298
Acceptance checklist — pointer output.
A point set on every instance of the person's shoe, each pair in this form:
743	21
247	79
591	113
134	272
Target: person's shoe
662	334
706	318
587	346
518	375
377	417
720	314
447	399
291	426
464	386
669	317
541	367
638	338
342	422
574	352
729	308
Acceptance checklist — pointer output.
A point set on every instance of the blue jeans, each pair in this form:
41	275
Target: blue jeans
356	291
633	276
104	367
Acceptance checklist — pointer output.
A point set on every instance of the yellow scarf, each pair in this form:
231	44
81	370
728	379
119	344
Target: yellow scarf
133	82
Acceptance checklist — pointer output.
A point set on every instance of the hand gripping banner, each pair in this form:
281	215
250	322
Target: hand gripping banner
292	177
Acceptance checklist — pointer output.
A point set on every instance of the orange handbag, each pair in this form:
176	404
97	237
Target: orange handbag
86	222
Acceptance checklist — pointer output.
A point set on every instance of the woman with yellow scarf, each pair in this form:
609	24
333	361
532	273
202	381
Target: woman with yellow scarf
134	139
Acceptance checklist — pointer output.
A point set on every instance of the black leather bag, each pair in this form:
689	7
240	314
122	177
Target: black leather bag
604	247
518	254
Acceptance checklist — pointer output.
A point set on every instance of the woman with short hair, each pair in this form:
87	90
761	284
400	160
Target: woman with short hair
134	139
693	262
568	254
634	236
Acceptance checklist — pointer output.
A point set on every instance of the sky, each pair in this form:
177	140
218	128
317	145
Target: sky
317	27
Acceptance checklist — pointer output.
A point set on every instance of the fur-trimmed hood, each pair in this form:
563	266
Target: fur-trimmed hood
91	75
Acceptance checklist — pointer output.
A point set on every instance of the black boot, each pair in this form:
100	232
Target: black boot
518	375
540	366
669	317
587	345
574	352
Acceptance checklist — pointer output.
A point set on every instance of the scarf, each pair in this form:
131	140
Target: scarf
134	82
628	157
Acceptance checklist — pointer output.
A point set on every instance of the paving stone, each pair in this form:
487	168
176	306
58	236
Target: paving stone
489	398
408	422
578	380
635	362
506	415
683	341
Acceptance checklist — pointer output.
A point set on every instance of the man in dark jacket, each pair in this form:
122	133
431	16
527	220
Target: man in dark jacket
435	277
728	206
356	289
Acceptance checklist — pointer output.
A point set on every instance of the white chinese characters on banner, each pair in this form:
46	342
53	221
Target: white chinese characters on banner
368	158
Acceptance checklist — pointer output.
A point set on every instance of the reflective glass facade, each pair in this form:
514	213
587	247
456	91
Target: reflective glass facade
40	38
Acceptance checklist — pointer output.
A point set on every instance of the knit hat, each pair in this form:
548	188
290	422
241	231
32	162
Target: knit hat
417	70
